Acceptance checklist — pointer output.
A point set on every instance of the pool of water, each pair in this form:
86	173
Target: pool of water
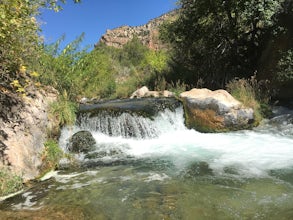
172	173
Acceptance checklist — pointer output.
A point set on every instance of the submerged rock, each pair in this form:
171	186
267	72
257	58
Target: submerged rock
215	111
82	141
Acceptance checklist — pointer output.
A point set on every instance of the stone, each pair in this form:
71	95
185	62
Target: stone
139	93
148	107
145	92
24	129
167	93
154	94
81	142
215	111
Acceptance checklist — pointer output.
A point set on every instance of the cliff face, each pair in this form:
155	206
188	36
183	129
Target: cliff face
24	124
148	34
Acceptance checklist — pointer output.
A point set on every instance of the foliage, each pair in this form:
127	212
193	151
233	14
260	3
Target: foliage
156	60
285	67
51	155
104	72
9	182
133	53
178	87
218	40
63	110
19	39
59	65
251	93
94	77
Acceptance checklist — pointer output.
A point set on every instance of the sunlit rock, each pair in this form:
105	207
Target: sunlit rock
215	111
147	34
145	92
139	93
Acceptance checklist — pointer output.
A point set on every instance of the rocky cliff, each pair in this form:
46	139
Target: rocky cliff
148	34
24	124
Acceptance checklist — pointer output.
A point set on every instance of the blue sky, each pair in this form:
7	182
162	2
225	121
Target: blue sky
94	17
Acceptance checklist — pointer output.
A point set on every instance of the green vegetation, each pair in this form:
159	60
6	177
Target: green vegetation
243	45
285	67
215	41
51	155
19	39
9	182
63	110
20	44
244	91
104	72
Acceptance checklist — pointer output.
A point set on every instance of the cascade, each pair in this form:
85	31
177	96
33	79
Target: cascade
156	168
129	125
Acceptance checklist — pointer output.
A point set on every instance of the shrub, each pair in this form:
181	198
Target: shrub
19	40
9	182
285	67
63	110
51	155
178	87
249	92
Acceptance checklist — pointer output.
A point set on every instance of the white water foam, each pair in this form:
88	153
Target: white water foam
251	153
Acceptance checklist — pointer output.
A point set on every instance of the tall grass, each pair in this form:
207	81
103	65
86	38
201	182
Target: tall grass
9	182
51	155
250	92
63	110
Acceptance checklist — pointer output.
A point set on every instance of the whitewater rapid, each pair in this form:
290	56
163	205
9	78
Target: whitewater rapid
249	153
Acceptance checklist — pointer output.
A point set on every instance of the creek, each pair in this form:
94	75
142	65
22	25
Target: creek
156	168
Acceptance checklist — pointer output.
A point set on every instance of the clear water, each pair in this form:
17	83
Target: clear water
167	172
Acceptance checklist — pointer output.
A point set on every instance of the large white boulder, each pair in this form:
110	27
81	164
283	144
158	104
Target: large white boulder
215	111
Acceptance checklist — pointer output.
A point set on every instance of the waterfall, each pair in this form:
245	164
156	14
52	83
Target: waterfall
129	125
249	152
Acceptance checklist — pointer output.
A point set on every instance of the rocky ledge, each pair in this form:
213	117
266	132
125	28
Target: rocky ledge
148	107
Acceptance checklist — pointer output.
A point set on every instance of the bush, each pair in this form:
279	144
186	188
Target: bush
285	67
19	40
249	92
63	110
9	182
51	155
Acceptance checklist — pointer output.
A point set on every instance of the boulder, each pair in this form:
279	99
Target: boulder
215	111
139	93
81	142
145	92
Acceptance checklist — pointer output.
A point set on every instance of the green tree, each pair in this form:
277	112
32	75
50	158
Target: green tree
19	39
133	52
59	66
216	40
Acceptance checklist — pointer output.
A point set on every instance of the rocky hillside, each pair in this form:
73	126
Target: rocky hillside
148	33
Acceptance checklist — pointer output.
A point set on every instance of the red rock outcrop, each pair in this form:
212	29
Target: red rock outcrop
148	34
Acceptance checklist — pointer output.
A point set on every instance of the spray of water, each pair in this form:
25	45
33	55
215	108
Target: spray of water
248	153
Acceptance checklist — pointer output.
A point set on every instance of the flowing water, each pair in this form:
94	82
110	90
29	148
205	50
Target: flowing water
158	169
